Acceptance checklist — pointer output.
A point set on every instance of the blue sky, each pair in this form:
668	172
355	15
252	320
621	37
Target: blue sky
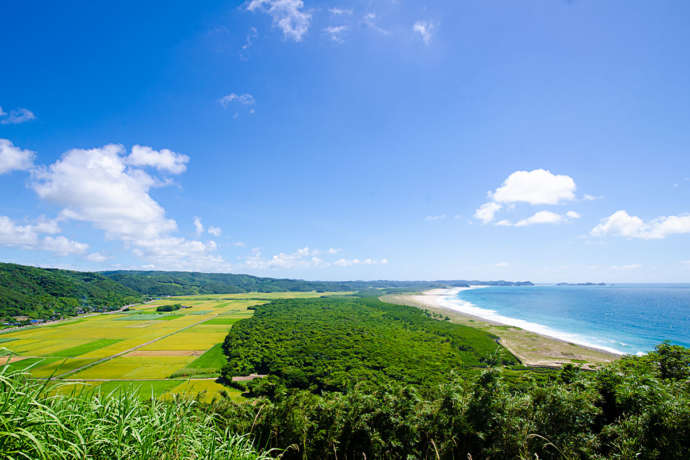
380	139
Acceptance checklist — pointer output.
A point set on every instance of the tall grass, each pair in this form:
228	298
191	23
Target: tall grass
36	422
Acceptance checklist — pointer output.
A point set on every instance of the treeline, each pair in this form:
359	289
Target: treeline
638	407
40	293
48	293
157	283
331	344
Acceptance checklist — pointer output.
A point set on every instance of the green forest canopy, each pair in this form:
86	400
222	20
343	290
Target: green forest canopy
332	343
49	293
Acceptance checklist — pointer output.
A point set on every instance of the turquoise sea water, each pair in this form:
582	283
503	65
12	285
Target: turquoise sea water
630	318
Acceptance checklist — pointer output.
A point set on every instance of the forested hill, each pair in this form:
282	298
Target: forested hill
51	293
41	293
159	283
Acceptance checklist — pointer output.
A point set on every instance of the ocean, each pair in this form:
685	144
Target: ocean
621	318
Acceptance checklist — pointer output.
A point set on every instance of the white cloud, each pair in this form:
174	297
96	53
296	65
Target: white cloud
620	223
435	218
215	231
487	211
239	244
573	215
248	42
163	160
424	29
16	116
541	217
504	223
288	16
351	262
304	258
335	33
334	250
29	237
300	258
502	264
63	246
538	186
369	20
97	186
534	187
198	226
339	11
12	234
96	257
13	158
588	197
244	99
685	262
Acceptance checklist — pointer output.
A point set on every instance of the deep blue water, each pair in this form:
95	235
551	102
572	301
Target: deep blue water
626	318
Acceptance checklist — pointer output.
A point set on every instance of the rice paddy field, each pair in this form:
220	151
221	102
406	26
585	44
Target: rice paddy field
157	354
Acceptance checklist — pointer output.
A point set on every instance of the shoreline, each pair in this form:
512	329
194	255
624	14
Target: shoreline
532	347
441	299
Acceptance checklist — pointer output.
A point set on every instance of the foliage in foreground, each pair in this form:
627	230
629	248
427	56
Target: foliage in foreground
37	424
329	343
636	408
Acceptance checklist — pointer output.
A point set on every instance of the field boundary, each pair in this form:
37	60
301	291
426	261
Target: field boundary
117	355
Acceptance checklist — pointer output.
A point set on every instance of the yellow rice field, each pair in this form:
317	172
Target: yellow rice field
59	350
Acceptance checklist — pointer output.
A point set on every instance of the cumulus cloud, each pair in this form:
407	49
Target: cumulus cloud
487	211
29	237
63	246
288	15
541	217
215	231
535	187
16	116
620	223
335	33
163	160
424	29
101	187
435	218
95	185
14	158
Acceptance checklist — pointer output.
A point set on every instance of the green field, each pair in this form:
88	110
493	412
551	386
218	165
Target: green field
155	352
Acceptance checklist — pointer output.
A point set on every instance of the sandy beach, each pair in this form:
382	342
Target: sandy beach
532	348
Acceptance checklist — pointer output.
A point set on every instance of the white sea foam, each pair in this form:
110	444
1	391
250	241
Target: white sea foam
449	299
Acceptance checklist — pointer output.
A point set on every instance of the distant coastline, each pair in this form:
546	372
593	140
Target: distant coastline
534	344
